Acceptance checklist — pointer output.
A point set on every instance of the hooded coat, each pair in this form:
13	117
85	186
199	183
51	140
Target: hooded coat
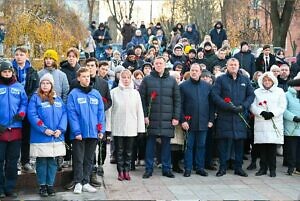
264	131
165	106
127	116
291	128
218	37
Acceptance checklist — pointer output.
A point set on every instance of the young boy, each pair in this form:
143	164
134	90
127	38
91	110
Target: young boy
29	79
86	119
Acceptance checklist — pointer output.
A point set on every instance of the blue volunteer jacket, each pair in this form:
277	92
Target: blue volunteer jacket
54	117
13	100
85	113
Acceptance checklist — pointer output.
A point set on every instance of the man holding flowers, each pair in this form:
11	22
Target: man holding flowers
232	94
161	104
197	116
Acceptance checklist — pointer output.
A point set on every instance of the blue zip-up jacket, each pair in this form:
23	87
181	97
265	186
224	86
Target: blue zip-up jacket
54	117
228	124
85	113
13	100
196	102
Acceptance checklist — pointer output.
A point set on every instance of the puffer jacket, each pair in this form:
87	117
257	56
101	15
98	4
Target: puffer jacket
274	97
13	100
85	113
42	115
166	105
240	91
291	128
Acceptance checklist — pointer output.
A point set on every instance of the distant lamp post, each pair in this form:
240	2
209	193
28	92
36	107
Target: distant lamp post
151	11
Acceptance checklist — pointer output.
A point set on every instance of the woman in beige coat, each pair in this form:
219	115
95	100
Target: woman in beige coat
127	119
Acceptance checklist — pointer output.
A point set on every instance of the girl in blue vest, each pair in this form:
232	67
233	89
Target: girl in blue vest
48	118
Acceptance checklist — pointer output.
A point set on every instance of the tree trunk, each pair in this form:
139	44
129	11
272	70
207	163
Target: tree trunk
281	23
91	4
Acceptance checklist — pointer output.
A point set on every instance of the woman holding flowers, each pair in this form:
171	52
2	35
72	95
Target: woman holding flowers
127	120
48	118
268	108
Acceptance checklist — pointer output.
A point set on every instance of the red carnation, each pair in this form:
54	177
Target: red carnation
40	123
153	95
260	103
99	127
265	102
187	118
22	114
227	100
104	99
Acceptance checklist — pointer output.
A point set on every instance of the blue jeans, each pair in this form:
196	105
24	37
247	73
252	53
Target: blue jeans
225	152
46	168
197	138
9	156
165	153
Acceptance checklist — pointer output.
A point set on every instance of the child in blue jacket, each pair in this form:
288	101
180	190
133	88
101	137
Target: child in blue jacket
48	118
86	117
13	102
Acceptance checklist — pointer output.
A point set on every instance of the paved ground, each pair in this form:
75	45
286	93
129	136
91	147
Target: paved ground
228	187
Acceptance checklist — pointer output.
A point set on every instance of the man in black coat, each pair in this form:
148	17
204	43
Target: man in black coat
246	59
218	34
161	103
195	102
265	60
232	94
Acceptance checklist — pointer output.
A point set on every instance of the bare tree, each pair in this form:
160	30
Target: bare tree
118	11
91	5
281	16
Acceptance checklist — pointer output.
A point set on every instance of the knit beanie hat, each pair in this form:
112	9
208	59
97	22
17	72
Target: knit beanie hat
51	54
6	65
130	52
47	77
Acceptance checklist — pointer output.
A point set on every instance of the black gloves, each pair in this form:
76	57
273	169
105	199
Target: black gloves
237	109
267	115
2	129
296	119
18	117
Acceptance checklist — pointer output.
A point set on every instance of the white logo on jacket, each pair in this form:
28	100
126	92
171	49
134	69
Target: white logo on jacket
45	104
3	91
57	104
15	91
94	101
81	100
243	84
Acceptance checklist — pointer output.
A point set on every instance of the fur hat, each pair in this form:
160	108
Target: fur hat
6	65
51	54
47	77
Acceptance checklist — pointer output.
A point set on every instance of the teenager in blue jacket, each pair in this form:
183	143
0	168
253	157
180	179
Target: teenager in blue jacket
13	101
48	118
86	118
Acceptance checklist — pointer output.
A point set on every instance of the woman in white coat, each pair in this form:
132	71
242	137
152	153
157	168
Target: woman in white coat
268	108
127	119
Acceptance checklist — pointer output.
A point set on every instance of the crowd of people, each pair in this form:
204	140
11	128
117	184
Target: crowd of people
158	102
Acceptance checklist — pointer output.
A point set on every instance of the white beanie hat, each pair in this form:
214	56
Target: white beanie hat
48	77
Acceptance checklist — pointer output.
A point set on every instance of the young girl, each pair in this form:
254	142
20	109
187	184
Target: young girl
48	118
